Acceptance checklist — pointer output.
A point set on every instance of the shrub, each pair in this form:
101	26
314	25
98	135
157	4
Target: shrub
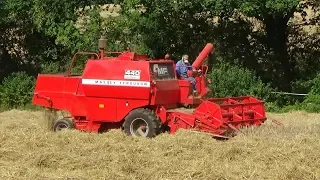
232	80
16	90
312	101
50	67
315	88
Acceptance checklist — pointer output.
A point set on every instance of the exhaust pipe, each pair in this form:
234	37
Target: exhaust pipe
203	55
102	45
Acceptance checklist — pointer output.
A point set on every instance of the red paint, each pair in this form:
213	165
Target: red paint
103	95
203	55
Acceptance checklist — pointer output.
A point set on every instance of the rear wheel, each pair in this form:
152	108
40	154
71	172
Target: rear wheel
62	124
142	122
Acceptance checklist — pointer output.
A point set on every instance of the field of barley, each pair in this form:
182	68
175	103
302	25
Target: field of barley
289	151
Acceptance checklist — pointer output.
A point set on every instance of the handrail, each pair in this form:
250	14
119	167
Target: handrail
74	57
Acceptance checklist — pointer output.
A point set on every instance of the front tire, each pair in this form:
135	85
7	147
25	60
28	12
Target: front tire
142	122
62	124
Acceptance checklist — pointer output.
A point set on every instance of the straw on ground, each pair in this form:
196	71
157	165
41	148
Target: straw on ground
29	151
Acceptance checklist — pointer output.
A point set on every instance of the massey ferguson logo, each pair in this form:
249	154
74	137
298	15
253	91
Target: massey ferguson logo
161	71
132	74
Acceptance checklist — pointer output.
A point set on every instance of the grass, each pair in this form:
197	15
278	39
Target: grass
29	151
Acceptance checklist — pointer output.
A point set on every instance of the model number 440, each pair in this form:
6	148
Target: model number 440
133	72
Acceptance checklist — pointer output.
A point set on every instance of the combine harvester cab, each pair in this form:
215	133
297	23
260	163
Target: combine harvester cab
143	97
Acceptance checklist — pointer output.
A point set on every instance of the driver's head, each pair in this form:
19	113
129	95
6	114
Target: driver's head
167	56
185	58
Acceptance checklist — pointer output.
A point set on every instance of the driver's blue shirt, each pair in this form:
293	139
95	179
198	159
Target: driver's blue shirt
182	68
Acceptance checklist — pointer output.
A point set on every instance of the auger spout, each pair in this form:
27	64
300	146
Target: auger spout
203	55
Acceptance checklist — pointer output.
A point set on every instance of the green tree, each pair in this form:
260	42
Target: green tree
176	27
24	46
274	15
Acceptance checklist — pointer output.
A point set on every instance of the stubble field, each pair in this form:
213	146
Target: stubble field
29	151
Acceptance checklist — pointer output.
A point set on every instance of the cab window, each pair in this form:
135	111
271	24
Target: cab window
162	71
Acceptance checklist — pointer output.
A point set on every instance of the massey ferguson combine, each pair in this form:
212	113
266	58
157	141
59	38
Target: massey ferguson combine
143	97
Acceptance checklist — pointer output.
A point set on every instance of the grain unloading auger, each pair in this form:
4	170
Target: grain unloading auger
142	96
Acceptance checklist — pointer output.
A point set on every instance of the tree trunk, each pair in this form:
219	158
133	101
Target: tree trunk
6	63
276	28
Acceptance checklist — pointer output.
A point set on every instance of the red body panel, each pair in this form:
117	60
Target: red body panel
104	93
165	93
102	109
59	92
111	82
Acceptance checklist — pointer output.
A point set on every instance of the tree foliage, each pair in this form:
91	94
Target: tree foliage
259	36
268	49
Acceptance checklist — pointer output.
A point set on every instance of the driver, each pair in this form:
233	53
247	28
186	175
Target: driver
182	68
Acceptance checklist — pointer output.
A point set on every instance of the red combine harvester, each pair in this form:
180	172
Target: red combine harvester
143	97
